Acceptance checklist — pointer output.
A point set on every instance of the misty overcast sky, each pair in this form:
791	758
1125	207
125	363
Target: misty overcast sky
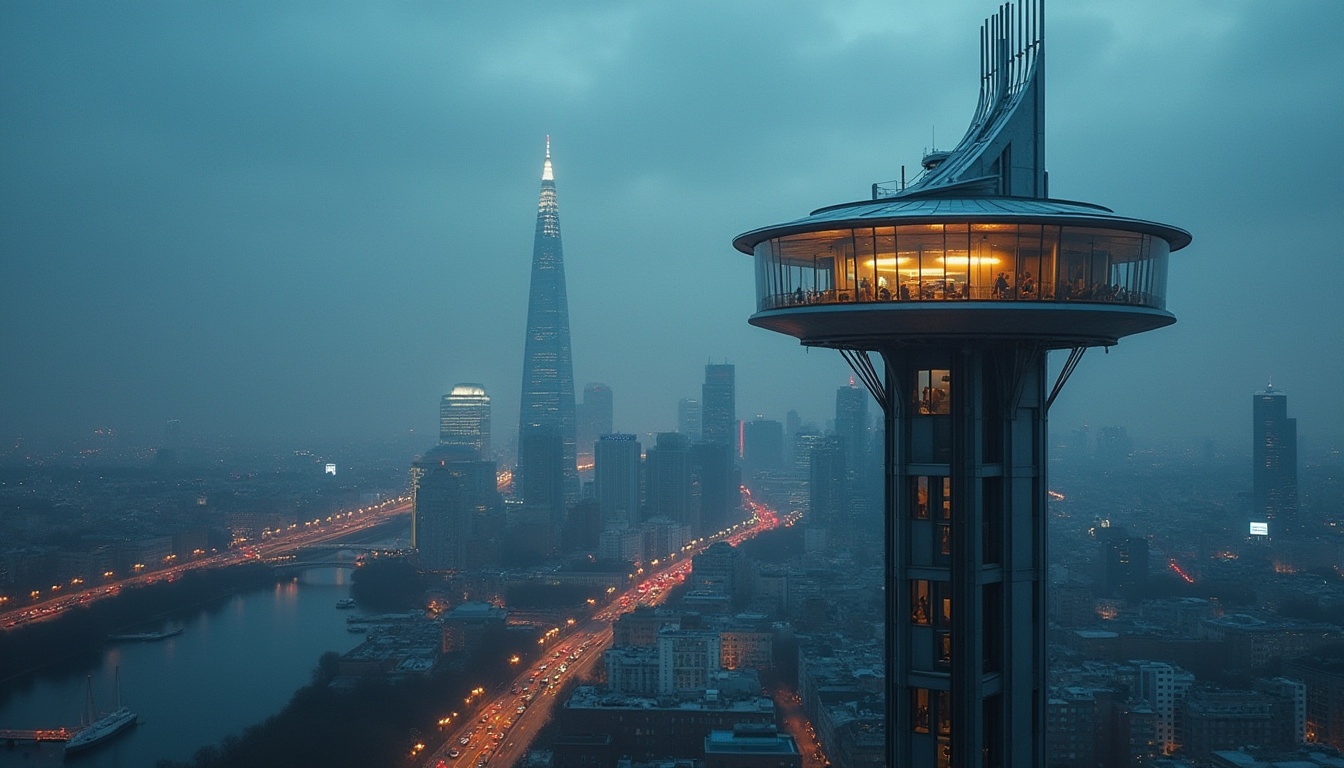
308	220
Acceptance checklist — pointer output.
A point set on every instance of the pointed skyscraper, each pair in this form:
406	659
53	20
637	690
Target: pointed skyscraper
547	406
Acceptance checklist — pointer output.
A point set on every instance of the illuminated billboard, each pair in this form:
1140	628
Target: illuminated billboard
1259	529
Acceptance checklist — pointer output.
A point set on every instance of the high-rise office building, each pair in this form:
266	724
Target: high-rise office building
616	485
851	422
668	479
961	281
542	488
762	447
714	487
464	418
688	418
457	508
718	404
594	419
548	370
1274	461
828	485
1124	567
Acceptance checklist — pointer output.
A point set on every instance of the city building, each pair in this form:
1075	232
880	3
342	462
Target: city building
751	746
624	544
472	625
718	404
688	418
762	447
1162	686
715	492
1124	566
1225	719
1324	677
547	401
643	727
746	645
1295	692
594	419
616	483
960	282
1273	463
456	508
632	670
640	627
687	659
582	531
464	418
828	487
851	423
719	568
1071	724
541	488
667	484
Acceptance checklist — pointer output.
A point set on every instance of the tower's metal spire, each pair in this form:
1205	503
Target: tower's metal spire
1003	151
546	173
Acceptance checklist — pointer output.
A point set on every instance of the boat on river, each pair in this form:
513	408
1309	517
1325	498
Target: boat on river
145	637
100	730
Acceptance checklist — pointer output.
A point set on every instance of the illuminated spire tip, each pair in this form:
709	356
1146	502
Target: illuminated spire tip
546	173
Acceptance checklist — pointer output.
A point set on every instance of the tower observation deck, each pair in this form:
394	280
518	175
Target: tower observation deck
961	282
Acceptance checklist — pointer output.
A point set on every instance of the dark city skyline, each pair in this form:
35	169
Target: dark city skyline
213	214
837	491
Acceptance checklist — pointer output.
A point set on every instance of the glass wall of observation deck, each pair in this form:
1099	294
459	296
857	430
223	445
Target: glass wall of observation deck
990	262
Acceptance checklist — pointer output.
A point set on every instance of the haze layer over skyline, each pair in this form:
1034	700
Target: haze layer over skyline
297	221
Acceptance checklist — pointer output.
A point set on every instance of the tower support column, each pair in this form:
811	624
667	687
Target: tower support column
965	462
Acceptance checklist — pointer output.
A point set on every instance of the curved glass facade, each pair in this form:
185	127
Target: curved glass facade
1007	262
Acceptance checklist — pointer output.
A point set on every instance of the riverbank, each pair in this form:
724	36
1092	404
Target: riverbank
238	661
80	633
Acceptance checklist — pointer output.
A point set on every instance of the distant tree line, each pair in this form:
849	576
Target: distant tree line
388	584
79	633
372	723
535	594
780	545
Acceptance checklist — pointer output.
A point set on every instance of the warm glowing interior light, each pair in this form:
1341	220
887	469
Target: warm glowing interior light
887	261
973	260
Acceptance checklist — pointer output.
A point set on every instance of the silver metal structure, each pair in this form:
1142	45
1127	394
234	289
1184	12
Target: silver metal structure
962	282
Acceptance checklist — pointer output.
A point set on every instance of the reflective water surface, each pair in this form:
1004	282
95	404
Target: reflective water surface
235	664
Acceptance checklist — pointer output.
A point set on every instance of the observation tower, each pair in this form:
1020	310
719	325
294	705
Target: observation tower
961	282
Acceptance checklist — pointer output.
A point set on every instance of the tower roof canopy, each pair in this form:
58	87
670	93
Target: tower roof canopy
944	210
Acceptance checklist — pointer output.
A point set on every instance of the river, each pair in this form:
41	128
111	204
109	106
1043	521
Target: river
235	664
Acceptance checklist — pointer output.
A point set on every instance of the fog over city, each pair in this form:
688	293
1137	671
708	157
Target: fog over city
305	221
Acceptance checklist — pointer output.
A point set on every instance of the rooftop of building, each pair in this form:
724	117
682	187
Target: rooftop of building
476	611
759	739
592	697
468	390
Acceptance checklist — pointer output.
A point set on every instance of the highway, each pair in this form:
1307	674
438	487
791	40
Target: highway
318	531
498	728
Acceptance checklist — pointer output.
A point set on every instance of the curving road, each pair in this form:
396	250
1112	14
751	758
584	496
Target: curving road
319	531
503	726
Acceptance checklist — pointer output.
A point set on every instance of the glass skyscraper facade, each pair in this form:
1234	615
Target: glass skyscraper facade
547	403
464	418
1274	460
718	406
